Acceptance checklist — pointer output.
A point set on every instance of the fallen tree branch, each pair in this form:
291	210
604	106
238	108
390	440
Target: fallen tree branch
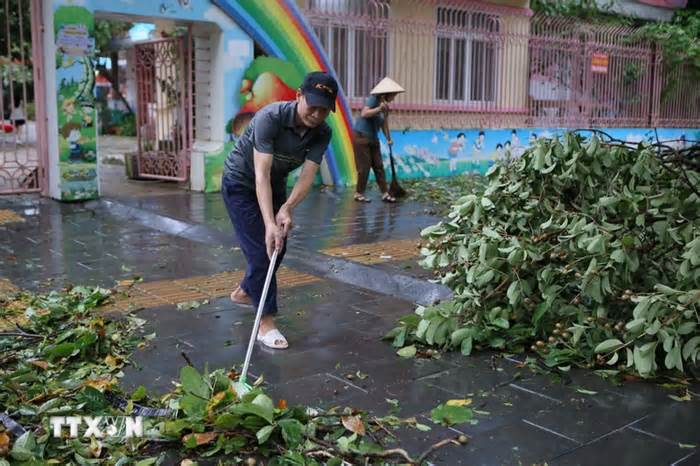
186	358
436	446
20	334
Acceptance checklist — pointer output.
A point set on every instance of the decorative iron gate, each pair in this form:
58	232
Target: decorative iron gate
22	112
163	108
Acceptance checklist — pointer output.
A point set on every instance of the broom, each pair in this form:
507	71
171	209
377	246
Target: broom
241	386
395	189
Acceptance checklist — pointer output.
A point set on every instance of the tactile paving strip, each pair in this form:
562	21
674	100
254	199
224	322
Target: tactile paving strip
379	252
158	293
9	216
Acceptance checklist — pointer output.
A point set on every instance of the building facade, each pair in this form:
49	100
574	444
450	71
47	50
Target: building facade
483	79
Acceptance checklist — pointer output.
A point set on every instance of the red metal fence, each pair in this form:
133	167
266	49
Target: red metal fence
22	103
588	75
473	64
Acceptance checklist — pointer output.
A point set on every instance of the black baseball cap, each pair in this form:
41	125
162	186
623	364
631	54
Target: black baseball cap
320	90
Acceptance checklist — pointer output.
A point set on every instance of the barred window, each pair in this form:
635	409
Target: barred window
353	33
467	56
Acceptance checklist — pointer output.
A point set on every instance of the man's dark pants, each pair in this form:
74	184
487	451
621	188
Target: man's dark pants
244	211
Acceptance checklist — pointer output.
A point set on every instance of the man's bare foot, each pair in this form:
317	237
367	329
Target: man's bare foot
239	296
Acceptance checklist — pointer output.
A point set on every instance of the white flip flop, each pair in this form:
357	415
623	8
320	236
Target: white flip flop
272	338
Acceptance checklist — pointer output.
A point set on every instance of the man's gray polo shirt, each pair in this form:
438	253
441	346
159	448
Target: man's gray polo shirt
273	131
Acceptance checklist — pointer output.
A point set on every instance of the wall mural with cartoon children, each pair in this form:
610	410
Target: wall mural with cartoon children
75	44
428	153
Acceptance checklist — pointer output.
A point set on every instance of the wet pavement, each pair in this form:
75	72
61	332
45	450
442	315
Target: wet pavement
334	322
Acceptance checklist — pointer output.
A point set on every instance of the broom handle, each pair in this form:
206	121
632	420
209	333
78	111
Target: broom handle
391	150
258	316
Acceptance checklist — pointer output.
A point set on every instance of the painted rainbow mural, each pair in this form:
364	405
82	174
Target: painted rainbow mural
280	29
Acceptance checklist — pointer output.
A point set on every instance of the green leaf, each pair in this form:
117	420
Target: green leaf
255	410
450	415
400	338
61	350
618	255
265	403
686	327
345	443
147	461
597	245
640	310
673	357
193	383
635	325
547	224
644	359
292	432
432	329
516	257
593	289
466	346
690	347
488	232
540	311
227	421
501	323
193	405
407	352
608	345
422	328
24	447
460	334
608	201
513	293
423	427
539	158
264	434
485	278
139	394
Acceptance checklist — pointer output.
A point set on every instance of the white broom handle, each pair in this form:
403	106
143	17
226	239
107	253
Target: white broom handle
258	315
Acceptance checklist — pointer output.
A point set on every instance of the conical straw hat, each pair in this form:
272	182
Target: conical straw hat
387	86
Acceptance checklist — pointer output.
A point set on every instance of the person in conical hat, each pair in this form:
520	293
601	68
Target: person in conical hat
366	137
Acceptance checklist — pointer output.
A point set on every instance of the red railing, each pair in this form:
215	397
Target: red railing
468	64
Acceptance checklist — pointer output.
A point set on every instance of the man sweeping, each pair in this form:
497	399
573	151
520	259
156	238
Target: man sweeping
281	137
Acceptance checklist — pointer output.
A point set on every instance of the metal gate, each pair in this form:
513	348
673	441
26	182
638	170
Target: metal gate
588	75
163	107
22	112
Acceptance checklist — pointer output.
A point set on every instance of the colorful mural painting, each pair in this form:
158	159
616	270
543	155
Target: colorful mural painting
279	28
266	80
214	167
75	46
74	26
430	153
